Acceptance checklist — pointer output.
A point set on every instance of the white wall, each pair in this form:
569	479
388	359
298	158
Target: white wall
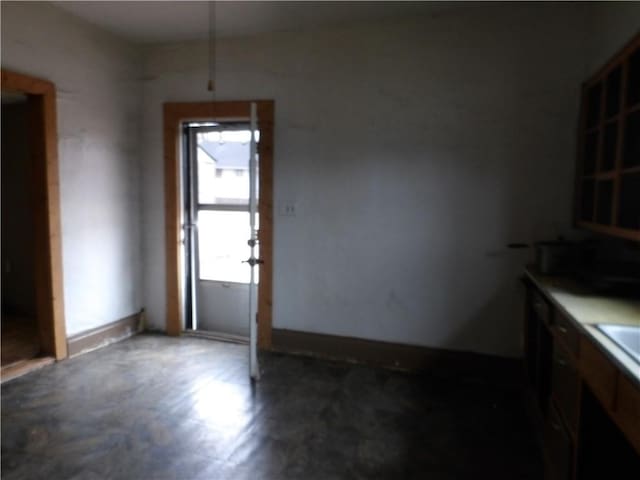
98	102
612	25
414	151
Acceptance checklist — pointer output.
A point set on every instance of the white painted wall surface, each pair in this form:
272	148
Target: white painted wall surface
612	26
98	103
414	152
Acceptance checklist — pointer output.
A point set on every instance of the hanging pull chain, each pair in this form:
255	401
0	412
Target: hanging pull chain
212	48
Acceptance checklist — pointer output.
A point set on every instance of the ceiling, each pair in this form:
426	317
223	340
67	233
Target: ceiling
172	21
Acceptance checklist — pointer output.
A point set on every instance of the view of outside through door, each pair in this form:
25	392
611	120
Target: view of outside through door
223	203
217	189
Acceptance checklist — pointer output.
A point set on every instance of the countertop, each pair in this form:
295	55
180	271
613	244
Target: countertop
587	309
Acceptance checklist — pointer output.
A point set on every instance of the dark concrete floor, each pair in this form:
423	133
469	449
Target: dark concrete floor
155	407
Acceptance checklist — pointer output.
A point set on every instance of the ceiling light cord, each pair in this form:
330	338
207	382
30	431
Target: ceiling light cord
212	48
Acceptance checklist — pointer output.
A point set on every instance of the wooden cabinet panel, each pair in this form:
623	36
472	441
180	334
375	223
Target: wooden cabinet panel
603	450
566	332
599	373
544	368
531	339
565	384
538	346
558	448
628	410
540	307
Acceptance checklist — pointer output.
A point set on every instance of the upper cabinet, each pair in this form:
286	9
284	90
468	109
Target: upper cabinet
608	170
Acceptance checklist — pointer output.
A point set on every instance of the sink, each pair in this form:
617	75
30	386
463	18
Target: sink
626	336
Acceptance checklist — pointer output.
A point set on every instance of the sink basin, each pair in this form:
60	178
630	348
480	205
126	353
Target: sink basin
626	336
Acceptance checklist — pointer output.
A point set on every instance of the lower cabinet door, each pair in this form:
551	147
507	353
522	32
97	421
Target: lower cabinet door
558	447
565	384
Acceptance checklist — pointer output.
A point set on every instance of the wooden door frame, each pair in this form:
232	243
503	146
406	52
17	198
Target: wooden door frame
43	138
174	114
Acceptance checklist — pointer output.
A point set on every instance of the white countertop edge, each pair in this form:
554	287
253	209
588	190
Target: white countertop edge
621	358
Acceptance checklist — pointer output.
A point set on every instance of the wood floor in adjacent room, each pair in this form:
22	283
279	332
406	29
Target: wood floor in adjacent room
19	339
155	407
20	347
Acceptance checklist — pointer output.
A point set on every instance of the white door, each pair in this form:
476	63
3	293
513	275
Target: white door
221	224
254	370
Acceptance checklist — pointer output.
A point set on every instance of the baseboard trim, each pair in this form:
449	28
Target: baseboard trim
449	363
18	369
105	335
221	337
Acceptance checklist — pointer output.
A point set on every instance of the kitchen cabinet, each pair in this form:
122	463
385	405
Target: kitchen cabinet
538	349
587	406
544	385
565	385
608	163
558	448
604	451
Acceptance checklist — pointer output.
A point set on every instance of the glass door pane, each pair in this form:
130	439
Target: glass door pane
223	167
223	246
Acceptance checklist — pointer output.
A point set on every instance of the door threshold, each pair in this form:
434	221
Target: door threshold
222	337
17	369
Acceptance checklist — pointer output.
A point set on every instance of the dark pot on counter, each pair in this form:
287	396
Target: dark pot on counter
552	257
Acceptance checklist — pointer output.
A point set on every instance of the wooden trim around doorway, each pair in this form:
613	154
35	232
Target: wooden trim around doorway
43	137
174	115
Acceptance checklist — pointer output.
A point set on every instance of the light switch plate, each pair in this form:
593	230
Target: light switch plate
287	209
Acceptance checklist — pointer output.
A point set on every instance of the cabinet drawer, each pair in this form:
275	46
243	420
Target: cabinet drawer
564	330
628	410
598	372
565	383
558	448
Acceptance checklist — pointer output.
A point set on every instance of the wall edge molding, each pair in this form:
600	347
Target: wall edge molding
413	358
104	335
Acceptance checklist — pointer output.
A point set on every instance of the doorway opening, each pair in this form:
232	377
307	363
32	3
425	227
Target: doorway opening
20	340
216	180
229	116
33	330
